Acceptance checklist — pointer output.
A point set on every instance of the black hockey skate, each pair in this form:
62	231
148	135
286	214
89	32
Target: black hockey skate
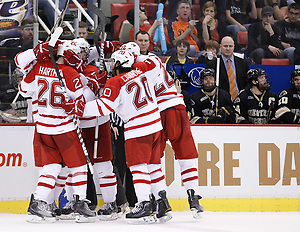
163	208
153	203
195	206
55	209
67	212
39	212
82	211
141	213
108	212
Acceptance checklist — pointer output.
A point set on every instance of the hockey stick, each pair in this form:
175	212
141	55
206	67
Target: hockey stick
52	43
59	19
99	30
217	84
271	107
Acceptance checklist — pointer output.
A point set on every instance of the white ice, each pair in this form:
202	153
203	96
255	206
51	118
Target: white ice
182	221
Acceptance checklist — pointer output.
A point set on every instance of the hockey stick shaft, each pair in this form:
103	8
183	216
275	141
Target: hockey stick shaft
59	19
100	49
99	30
52	42
217	83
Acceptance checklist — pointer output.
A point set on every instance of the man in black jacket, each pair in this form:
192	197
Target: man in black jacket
290	33
264	38
240	67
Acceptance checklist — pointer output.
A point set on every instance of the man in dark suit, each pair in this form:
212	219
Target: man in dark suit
233	70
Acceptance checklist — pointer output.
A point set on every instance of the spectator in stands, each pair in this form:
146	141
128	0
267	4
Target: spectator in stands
12	46
264	38
211	51
83	30
290	31
240	13
210	28
180	56
142	38
49	10
280	8
184	28
144	25
221	8
233	70
206	110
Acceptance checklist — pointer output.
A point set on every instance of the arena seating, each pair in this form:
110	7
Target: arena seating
142	1
242	38
121	10
275	62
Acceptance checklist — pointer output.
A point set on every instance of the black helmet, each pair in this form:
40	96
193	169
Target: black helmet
294	74
253	74
207	72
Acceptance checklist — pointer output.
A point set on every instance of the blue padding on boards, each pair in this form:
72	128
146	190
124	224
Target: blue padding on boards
280	75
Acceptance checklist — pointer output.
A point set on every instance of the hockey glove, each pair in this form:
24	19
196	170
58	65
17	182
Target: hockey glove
73	60
96	81
111	46
75	106
214	120
225	114
41	51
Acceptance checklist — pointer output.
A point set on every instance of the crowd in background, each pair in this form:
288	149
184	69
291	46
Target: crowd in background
273	31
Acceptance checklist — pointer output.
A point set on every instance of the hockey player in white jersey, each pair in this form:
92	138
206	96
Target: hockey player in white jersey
57	137
129	95
175	122
92	80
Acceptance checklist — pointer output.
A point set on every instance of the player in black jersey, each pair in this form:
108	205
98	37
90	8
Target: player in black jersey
205	100
289	102
256	104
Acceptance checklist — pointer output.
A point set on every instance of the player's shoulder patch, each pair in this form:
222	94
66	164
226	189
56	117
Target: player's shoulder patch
283	93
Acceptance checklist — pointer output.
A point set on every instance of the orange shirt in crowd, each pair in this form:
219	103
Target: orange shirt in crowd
178	27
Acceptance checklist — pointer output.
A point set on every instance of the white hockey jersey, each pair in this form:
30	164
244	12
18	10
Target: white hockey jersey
26	60
164	86
42	84
129	95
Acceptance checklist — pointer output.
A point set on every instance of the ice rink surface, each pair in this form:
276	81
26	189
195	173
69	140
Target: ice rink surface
182	221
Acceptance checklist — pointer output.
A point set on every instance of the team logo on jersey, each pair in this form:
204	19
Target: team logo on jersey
12	13
194	75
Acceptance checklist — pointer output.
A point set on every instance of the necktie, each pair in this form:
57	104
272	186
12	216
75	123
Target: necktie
231	79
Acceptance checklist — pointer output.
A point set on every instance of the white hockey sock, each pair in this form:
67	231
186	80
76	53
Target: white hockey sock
189	173
107	180
158	182
60	182
141	181
46	182
79	180
69	188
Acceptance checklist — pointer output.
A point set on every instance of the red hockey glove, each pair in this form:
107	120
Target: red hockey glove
111	46
96	81
75	106
41	51
73	60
